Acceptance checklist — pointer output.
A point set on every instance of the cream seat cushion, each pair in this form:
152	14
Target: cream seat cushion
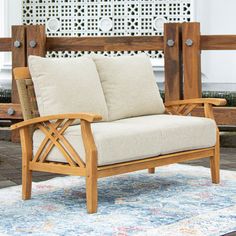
140	137
70	85
129	86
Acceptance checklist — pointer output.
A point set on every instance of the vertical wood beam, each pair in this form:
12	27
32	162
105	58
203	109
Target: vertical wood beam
36	40
173	62
192	60
19	59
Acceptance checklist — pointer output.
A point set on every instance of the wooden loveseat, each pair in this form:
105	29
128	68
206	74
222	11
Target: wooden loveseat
61	135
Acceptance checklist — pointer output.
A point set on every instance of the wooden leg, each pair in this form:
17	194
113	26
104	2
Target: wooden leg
215	163
91	182
26	181
91	194
91	167
151	170
26	145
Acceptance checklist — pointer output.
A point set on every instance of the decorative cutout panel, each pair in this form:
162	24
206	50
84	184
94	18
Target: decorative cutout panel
105	18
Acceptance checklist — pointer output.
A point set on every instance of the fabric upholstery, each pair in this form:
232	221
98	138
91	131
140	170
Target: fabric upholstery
129	86
140	137
70	85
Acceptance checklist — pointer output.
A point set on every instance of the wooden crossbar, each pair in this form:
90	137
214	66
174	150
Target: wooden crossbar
134	43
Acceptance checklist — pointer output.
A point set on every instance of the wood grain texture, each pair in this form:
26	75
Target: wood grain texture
5	44
58	168
27	154
21	73
192	61
213	101
173	62
215	162
218	42
223	115
131	166
4	109
134	43
82	116
91	167
19	57
36	33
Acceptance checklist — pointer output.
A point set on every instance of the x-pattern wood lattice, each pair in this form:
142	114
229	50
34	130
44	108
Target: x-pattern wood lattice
53	132
183	110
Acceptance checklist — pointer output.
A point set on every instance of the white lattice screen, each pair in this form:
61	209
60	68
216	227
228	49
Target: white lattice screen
105	18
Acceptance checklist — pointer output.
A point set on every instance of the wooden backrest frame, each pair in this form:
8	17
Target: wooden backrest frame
26	92
42	44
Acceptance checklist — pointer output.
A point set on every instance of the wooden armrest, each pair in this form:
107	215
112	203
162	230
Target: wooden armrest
212	101
89	117
185	107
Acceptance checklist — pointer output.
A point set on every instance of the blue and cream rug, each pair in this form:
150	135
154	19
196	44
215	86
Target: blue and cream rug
177	200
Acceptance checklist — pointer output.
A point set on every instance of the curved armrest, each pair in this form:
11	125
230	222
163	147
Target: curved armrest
185	107
89	117
212	101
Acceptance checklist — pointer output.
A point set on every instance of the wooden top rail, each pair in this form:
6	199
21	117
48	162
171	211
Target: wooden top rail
5	44
134	43
218	42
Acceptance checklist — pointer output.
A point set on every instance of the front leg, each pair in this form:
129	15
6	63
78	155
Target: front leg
27	153
91	167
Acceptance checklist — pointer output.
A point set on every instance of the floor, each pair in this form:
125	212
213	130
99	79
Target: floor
10	165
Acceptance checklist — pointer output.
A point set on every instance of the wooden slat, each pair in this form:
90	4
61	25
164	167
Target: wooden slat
57	168
4	109
5	44
173	63
192	61
36	33
223	115
218	42
134	43
153	162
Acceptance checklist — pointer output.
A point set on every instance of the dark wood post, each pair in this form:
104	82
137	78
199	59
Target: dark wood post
192	60
173	62
36	40
19	59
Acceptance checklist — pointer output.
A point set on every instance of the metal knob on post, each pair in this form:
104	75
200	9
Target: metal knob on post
170	42
32	44
17	44
189	42
11	111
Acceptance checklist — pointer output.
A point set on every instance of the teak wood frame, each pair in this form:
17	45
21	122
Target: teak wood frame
54	127
192	45
180	54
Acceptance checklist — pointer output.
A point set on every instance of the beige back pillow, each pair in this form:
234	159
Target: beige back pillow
70	85
129	86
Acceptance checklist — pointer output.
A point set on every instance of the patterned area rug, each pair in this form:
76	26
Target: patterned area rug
177	200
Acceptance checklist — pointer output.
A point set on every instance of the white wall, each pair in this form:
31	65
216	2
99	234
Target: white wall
10	14
217	17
